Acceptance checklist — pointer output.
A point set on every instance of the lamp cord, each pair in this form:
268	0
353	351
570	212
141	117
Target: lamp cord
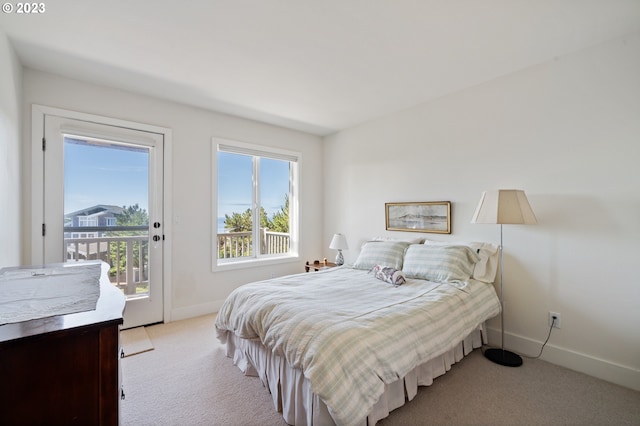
553	322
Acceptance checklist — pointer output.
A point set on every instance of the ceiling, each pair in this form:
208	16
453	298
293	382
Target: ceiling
317	66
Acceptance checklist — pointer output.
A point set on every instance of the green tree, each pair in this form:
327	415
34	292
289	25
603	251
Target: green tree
130	216
264	220
242	222
238	222
280	219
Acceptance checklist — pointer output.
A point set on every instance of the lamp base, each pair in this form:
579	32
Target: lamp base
503	357
339	258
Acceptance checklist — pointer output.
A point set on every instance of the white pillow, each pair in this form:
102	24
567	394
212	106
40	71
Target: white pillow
485	270
387	253
439	263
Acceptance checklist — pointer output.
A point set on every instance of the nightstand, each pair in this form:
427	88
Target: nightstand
318	265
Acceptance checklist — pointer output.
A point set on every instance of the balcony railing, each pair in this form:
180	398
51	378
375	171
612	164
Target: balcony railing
128	257
239	244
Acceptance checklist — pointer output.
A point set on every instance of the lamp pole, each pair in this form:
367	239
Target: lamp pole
502	356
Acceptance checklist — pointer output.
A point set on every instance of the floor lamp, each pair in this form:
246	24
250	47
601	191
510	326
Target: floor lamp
504	207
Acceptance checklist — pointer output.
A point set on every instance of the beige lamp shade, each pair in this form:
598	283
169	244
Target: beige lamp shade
504	206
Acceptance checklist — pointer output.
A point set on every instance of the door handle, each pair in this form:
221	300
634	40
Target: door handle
156	238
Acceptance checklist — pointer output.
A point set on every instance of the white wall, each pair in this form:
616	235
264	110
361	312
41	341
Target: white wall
10	154
568	133
196	290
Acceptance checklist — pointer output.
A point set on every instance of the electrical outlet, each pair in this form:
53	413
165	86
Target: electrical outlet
555	315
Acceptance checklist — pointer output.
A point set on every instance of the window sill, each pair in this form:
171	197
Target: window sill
253	263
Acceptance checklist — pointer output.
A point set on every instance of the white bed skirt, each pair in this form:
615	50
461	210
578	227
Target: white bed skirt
291	390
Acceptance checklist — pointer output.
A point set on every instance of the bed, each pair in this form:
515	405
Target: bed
348	345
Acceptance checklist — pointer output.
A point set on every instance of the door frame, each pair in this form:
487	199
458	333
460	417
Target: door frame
38	113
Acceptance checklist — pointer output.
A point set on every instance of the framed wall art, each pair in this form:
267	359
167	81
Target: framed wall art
427	216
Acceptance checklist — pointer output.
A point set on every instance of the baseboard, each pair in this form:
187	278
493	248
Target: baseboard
596	367
178	314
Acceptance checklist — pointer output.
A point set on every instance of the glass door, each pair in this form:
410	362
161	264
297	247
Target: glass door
103	198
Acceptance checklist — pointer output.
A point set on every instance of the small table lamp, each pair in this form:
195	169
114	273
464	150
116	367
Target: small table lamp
339	242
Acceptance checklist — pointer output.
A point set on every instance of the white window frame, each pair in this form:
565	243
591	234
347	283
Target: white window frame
87	221
295	158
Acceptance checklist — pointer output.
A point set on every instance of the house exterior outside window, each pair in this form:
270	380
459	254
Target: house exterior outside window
101	215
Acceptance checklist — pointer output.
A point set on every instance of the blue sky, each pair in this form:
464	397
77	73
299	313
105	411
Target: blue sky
96	174
235	187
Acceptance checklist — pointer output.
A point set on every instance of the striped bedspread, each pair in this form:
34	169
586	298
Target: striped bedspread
351	333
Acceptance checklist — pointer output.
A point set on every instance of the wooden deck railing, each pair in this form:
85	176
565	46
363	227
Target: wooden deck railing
239	244
127	256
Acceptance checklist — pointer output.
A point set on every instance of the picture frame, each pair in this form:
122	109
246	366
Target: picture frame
426	216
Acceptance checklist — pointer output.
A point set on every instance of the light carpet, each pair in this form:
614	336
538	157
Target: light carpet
187	380
135	341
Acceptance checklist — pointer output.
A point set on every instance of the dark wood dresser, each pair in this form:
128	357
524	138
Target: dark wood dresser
65	369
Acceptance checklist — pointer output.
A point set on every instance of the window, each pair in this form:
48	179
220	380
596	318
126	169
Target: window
256	213
87	221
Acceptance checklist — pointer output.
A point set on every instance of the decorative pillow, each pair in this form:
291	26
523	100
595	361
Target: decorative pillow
439	263
388	275
485	270
381	253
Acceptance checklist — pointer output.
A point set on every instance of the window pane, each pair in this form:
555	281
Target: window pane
235	194
251	176
107	184
274	202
